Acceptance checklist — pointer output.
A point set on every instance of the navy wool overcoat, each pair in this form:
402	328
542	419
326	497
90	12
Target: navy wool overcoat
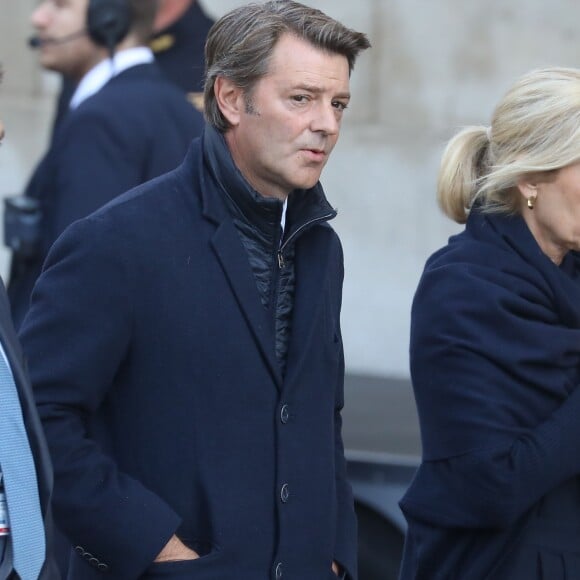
153	364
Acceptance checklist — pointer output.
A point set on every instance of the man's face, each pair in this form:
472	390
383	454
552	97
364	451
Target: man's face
287	126
56	20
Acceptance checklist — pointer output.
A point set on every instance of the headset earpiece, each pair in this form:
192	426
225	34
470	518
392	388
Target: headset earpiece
108	22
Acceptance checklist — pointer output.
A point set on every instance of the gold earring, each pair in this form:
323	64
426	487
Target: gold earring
531	201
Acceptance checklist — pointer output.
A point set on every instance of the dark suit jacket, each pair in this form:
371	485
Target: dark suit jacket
495	364
154	368
135	128
34	429
179	49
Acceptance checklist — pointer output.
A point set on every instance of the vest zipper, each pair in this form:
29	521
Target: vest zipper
294	234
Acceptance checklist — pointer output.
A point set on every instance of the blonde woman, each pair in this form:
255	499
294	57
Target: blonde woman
495	349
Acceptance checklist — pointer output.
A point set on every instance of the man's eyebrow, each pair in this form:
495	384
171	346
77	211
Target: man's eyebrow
317	90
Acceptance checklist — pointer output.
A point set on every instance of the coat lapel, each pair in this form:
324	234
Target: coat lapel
234	261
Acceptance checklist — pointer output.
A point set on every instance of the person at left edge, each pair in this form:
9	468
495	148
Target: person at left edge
127	124
17	409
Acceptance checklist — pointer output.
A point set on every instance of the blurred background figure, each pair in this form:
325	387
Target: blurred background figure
125	124
179	32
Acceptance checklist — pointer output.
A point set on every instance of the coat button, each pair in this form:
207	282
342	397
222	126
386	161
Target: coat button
103	567
80	550
93	562
284	414
285	493
279	571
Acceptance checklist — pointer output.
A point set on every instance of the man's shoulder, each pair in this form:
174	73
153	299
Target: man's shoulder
132	113
141	91
170	195
130	85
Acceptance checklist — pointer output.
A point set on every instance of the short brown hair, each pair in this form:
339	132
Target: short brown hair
240	44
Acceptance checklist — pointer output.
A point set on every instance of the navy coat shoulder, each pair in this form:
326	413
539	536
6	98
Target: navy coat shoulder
495	366
34	430
154	369
136	127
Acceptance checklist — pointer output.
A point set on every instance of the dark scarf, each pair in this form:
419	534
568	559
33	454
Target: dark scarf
495	337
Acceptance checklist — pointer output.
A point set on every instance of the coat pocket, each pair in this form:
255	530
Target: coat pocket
183	569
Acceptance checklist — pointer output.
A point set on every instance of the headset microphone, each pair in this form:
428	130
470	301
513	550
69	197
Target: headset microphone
37	42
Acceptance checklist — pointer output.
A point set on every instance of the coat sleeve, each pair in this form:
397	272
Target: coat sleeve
493	487
76	337
345	552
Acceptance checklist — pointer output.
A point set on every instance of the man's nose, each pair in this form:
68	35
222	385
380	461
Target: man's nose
326	119
39	16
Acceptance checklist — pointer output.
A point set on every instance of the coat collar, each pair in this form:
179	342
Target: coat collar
263	213
305	207
311	265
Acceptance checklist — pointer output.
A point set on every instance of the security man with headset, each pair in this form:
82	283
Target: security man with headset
126	124
179	33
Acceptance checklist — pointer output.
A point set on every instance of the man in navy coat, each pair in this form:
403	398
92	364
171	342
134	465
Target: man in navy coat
184	341
126	123
37	475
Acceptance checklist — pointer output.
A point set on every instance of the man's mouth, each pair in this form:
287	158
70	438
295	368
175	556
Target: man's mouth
315	154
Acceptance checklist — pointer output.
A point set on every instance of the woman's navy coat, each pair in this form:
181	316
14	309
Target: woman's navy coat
495	364
153	364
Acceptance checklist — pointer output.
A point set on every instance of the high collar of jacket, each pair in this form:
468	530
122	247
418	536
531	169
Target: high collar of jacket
304	206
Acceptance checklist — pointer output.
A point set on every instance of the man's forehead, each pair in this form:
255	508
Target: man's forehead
297	56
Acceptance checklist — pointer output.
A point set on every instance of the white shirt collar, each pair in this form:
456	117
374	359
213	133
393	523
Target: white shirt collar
283	219
103	72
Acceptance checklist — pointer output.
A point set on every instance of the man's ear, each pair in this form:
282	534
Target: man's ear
230	99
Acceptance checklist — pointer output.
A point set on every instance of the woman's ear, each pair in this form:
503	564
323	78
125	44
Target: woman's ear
528	187
230	99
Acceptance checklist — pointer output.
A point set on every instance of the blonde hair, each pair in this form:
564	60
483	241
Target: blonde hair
534	129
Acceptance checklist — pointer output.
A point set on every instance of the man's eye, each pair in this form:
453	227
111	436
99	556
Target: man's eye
340	105
300	98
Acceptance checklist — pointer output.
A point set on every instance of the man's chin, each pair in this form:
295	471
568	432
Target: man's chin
47	63
309	182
